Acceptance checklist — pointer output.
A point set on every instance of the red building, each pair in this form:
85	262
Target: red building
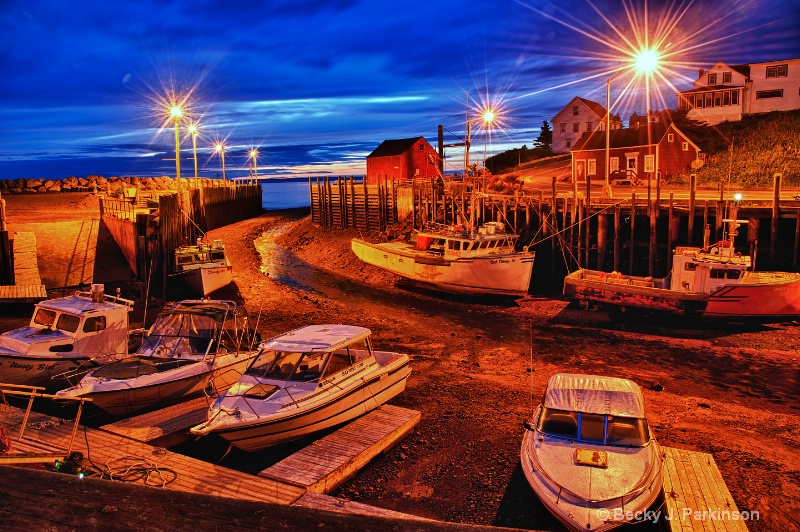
639	151
402	160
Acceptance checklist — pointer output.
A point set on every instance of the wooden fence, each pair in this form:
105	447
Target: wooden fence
341	202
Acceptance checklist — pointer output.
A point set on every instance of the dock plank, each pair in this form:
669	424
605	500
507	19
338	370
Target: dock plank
106	449
327	463
28	287
697	498
165	427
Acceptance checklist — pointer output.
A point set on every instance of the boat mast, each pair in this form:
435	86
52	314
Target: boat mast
469	223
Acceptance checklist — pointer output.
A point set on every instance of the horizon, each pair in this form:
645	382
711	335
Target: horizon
86	89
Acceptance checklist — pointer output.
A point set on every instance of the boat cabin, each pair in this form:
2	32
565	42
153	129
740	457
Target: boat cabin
290	358
706	271
455	242
193	257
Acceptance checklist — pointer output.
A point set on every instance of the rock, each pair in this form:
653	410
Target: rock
657	388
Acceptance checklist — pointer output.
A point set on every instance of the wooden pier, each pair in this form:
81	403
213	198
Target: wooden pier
27	287
696	496
165	427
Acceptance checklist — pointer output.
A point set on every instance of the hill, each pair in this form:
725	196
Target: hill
748	152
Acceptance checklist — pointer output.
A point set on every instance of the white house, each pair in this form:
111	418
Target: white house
729	92
577	117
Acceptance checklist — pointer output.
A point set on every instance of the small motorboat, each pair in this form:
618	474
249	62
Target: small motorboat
67	337
304	381
589	454
193	346
203	268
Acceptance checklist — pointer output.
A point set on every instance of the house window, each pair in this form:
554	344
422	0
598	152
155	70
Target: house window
588	126
726	98
670	137
762	95
734	97
709	102
421	146
591	167
777	71
649	163
700	101
712	79
564	127
685	146
576	127
574	110
717	99
569	143
613	164
691	101
726	77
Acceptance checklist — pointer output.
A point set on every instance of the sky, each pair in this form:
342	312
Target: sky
315	86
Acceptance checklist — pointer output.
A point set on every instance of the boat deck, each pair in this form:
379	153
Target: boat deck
696	495
28	287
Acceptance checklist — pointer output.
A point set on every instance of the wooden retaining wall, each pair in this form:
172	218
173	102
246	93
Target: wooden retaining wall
148	237
341	202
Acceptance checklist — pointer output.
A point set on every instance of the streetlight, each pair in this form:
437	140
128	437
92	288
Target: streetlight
254	156
220	148
646	61
176	113
488	117
193	131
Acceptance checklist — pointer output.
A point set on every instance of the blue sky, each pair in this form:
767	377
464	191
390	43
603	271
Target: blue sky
317	85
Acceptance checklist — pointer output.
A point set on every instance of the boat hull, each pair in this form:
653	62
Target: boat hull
275	430
761	296
501	274
206	279
123	398
579	514
45	371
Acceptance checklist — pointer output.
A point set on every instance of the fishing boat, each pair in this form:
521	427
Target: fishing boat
456	259
305	381
194	346
588	452
66	337
714	281
203	267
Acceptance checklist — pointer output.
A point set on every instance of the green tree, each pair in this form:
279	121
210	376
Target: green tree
544	142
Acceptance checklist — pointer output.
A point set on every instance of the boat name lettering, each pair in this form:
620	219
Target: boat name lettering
501	261
352	369
28	367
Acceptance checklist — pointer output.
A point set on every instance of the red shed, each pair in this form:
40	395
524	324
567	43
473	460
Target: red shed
402	160
640	151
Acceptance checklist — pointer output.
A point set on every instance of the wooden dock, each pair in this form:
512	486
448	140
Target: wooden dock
28	287
327	463
165	427
697	498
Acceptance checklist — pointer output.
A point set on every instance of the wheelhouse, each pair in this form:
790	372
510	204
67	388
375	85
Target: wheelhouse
586	427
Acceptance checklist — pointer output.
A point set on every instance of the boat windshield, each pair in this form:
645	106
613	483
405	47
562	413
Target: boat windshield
180	334
593	428
287	365
54	320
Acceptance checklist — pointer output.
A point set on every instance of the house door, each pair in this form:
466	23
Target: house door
580	170
632	167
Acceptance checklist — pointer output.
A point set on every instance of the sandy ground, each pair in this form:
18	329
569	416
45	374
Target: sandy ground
479	367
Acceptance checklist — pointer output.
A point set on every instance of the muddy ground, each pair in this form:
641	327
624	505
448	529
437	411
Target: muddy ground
479	368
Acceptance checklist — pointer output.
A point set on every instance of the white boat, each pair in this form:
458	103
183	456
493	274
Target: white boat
304	381
713	282
456	259
589	454
66	337
195	345
204	268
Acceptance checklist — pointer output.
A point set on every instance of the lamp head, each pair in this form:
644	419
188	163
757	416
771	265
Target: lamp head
176	112
647	60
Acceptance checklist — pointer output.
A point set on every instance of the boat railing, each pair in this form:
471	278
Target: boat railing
32	392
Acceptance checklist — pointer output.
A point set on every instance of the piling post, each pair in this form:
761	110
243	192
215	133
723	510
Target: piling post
651	261
672	230
587	217
633	232
602	237
776	214
692	192
796	237
617	216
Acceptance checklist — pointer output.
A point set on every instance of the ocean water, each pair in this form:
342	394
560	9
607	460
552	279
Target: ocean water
279	194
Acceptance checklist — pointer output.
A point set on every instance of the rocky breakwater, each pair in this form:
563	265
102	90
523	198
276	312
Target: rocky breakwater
111	185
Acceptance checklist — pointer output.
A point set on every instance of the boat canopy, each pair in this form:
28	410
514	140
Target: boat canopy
311	338
594	394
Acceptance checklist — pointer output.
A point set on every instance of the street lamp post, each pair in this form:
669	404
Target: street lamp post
176	113
488	118
254	155
220	148
193	131
608	125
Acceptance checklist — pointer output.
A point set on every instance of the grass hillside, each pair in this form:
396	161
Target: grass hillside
747	153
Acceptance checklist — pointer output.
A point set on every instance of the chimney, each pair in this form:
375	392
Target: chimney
701	73
97	293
